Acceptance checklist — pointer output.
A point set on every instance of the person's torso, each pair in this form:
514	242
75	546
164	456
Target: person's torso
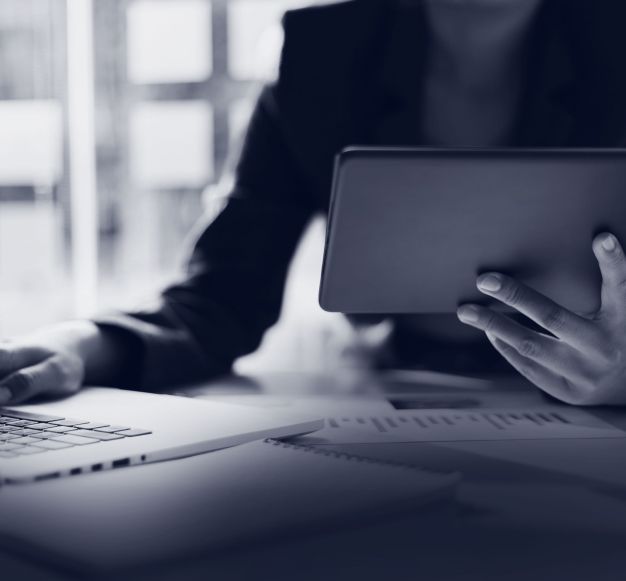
398	76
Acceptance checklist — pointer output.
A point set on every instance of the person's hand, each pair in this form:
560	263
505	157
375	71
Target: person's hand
44	363
583	361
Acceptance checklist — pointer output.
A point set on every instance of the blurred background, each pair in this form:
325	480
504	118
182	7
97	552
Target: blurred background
173	86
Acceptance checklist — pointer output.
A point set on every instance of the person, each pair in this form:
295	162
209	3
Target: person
445	73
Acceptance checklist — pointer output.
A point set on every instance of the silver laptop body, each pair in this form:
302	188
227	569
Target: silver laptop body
104	428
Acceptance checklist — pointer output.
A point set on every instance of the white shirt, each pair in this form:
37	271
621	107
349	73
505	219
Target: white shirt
474	70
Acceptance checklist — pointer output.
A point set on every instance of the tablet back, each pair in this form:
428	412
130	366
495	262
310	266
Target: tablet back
410	229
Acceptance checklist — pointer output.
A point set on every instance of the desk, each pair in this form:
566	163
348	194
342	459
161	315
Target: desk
512	520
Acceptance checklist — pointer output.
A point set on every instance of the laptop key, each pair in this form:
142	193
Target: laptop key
7	447
52	444
4	454
112	429
135	432
45	435
61	429
93	426
28	450
19	415
25	440
23	423
97	435
69	422
5	437
42	426
75	440
25	432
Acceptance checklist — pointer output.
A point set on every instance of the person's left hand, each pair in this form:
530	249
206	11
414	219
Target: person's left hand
583	362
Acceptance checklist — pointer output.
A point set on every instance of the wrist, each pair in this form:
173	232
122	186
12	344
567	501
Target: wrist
80	338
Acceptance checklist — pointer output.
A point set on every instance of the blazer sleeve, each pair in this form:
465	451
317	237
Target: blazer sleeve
233	286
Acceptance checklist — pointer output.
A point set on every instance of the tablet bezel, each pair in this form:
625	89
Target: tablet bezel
329	302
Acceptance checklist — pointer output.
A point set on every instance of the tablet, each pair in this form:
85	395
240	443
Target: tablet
410	229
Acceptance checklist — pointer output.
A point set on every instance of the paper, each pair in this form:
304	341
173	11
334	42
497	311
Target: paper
460	425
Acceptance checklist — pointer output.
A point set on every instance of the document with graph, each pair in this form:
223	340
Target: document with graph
463	425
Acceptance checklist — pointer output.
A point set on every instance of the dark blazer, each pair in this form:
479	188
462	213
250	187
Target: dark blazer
351	73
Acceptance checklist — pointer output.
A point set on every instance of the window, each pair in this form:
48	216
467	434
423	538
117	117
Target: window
173	87
34	251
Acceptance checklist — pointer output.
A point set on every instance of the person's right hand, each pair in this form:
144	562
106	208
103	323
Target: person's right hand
57	361
35	366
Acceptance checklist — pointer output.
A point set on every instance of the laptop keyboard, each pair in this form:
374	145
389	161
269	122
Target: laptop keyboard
24	434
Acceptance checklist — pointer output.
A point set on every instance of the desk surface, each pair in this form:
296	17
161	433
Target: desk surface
518	515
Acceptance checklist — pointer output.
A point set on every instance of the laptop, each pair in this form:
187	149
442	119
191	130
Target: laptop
409	230
105	428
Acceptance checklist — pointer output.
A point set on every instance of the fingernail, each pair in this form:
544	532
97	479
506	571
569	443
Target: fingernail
608	243
490	282
468	314
5	395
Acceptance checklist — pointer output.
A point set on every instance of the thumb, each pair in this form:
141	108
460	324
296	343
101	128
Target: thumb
612	262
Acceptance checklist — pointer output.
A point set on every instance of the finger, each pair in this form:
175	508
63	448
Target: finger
49	376
610	256
13	358
575	330
547	351
552	383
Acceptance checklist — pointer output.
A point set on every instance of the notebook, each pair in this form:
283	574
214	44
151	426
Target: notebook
167	511
452	425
